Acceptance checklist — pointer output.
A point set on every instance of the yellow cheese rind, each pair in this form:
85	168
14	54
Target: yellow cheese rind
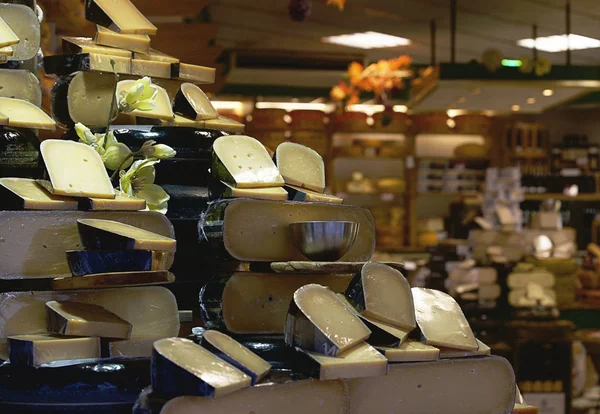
121	202
150	68
5	52
306	195
3	119
301	166
271	193
152	311
75	45
46	349
24	114
7	36
34	197
155	55
222	123
112	280
125	17
76	170
442	321
358	362
410	351
447	353
134	42
163	108
195	73
131	348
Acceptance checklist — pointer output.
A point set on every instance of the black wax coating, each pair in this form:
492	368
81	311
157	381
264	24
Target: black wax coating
170	380
183	107
211	227
63	65
211	302
95	14
175	69
85	262
19	154
59	101
28	3
187	202
355	293
93	238
380	337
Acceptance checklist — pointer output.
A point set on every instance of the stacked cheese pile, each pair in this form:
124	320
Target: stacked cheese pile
472	283
503	195
531	287
20	92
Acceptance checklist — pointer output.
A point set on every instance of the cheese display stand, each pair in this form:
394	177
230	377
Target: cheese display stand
296	318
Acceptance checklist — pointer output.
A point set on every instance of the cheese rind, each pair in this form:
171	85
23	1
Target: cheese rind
20	84
25	24
524	409
120	16
129	348
383	293
180	367
85	262
271	193
191	102
306	195
324	267
301	166
121	202
75	45
135	42
410	351
27	194
150	68
358	362
236	354
152	311
447	353
76	170
442	321
222	123
36	350
193	73
3	119
67	64
319	321
157	56
163	104
243	162
99	234
7	36
84	319
24	114
115	279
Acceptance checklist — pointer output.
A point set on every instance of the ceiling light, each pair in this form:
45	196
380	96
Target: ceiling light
228	104
547	92
291	106
530	101
511	63
515	108
454	112
367	40
287	119
368	109
451	123
560	43
400	108
370	121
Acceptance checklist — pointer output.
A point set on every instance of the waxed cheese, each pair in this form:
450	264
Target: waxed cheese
360	361
236	354
99	234
27	194
180	367
163	103
89	95
74	45
191	102
121	202
271	193
244	162
7	36
442	321
85	319
319	321
410	351
36	350
134	42
114	279
157	56
120	16
97	62
85	262
76	169
20	84
193	73
24	114
301	166
25	24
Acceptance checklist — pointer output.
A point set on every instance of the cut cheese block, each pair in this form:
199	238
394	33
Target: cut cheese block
75	170
7	36
121	202
120	16
360	361
447	353
525	409
319	321
134	42
222	123
522	298
410	351
36	350
235	225
180	367
76	45
192	73
3	119
236	354
383	293
442	321
67	64
301	166
382	334
5	52
36	241
325	267
521	280
152	311
24	114
293	397
303	194
85	262
151	68
129	348
99	234
271	193
191	102
27	194
437	387
20	84
25	24
163	104
244	162
157	56
116	279
85	319
249	302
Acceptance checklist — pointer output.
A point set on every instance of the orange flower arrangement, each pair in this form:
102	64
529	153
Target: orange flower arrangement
379	78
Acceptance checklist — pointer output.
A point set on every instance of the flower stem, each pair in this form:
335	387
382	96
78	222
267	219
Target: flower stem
112	103
114	174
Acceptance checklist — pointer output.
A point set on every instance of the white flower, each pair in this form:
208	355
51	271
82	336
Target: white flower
141	96
138	182
162	151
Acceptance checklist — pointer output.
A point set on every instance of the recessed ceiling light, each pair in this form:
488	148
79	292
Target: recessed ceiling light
547	92
454	112
367	40
516	108
530	101
560	43
451	123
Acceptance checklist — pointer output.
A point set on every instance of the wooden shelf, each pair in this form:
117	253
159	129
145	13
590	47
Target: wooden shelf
530	156
455	159
447	194
562	197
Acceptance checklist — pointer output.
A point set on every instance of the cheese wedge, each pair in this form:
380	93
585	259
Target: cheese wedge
27	194
180	367
271	193
150	68
24	114
24	22
525	409
157	56
442	321
128	348
6	51
191	102
75	170
236	354
358	362
163	103
244	162
120	16
67	64
85	262
410	351
447	353
305	195
113	280
75	45
301	166
7	36
193	73
134	42
318	321
36	350
85	319
20	84
111	235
